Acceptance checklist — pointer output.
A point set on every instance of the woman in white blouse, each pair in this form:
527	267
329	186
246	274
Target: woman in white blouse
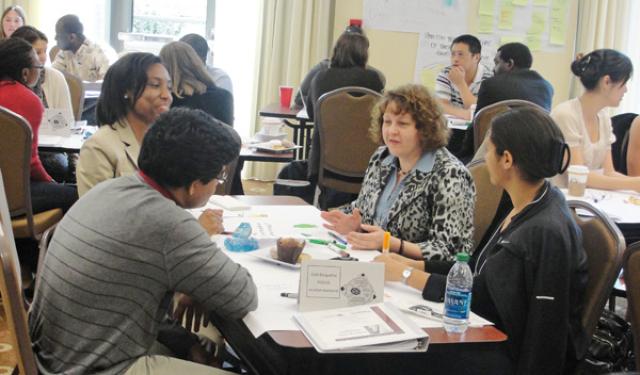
585	123
52	87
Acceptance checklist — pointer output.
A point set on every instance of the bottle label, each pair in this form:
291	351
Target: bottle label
457	303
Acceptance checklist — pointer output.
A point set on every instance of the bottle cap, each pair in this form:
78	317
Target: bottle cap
462	257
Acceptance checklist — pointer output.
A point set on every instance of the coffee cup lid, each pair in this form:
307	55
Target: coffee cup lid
578	169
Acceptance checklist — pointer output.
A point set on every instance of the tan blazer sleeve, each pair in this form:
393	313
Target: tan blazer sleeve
94	165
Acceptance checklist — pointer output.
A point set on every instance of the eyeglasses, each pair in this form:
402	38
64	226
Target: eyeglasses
222	176
39	67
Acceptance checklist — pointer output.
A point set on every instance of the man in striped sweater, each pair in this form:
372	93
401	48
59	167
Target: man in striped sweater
457	85
127	246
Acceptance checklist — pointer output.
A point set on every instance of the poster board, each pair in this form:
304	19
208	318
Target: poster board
402	58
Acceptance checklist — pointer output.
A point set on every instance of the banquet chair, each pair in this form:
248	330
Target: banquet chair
15	158
343	120
604	244
11	289
632	282
482	120
488	198
76	90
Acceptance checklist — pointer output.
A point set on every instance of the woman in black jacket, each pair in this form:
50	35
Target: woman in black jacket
530	276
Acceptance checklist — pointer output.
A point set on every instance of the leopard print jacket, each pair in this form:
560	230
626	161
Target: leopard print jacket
434	209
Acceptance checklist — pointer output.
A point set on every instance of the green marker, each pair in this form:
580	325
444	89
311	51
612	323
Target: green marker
318	241
304	226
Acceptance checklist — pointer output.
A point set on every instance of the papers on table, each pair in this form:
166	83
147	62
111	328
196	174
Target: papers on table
275	312
369	328
622	207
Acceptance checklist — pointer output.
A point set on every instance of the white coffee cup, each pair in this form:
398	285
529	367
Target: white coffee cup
577	179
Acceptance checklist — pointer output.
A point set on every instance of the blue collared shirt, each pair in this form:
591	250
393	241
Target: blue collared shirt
391	191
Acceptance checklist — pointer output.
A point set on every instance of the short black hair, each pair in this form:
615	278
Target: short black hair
475	47
518	52
126	77
186	145
599	63
16	55
198	43
351	50
71	24
533	139
30	34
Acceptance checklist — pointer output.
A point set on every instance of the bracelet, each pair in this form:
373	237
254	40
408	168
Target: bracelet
401	249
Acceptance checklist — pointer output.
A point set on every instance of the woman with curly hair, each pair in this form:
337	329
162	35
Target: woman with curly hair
413	187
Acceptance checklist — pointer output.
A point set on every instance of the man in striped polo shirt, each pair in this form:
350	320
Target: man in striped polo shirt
457	85
123	250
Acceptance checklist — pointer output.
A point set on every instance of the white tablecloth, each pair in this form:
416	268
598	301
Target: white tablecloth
275	312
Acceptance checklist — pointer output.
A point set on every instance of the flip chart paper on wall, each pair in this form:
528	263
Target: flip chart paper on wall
416	15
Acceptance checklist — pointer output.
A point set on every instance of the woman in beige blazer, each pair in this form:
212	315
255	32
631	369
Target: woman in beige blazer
136	90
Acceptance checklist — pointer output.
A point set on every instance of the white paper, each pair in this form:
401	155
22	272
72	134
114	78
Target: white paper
275	312
621	206
360	326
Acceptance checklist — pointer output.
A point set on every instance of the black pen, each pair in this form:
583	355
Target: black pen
289	295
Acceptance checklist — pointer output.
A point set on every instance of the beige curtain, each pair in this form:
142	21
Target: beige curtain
295	35
601	24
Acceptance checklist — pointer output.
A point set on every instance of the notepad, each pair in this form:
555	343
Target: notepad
377	328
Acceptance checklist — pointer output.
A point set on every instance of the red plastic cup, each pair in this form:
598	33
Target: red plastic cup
285	95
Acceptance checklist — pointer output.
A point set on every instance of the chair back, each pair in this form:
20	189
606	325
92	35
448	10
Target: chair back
53	52
482	120
621	125
488	198
11	289
604	244
343	119
632	283
76	90
15	158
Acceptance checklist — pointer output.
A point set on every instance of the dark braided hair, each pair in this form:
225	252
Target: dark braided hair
599	63
16	55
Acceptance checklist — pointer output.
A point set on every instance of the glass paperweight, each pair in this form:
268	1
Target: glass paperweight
241	240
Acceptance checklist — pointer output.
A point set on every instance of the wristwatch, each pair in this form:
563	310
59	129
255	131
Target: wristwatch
406	274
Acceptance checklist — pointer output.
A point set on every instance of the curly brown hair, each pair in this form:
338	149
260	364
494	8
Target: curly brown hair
417	101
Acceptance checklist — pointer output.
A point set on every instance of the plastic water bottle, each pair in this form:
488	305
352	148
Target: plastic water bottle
457	299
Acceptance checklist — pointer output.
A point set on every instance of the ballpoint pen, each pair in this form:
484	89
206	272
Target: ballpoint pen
289	295
338	238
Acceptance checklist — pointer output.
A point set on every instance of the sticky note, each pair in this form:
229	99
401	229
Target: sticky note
538	22
485	25
487	7
506	17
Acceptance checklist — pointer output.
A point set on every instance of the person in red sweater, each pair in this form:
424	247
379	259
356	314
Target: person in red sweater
19	70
